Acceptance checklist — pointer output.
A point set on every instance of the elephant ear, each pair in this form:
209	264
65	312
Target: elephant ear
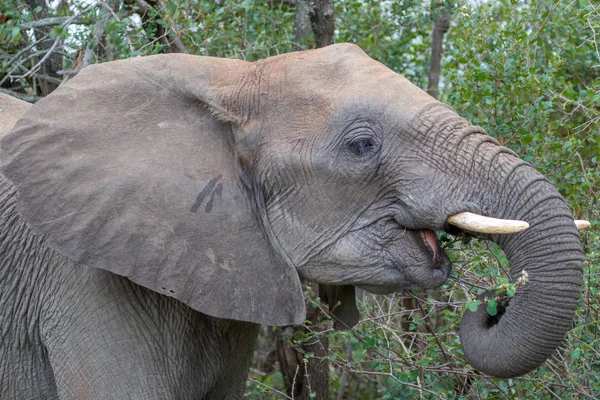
132	167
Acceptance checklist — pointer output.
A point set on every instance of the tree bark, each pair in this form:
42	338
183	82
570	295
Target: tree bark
323	23
302	24
170	41
305	371
53	62
441	26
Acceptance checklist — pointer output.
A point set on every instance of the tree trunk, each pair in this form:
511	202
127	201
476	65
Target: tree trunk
170	41
302	26
323	23
441	26
305	371
53	63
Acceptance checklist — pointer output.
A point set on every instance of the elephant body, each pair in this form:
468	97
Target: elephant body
155	211
108	338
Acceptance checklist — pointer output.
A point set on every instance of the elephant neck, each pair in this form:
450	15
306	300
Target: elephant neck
21	253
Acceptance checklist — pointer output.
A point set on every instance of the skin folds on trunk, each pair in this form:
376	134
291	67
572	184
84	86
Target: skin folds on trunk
478	175
529	326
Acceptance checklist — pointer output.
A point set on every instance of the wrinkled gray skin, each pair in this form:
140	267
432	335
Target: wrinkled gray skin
73	332
213	185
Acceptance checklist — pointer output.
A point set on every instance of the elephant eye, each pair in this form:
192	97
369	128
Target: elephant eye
362	146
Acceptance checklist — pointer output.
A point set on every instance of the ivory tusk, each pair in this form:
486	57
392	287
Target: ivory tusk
582	224
479	223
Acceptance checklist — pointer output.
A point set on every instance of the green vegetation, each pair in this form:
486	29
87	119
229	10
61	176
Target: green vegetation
527	72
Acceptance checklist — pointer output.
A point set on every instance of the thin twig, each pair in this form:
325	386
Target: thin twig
585	178
344	377
37	66
294	380
271	388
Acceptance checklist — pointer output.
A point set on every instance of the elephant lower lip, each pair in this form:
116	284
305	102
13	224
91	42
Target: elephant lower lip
431	241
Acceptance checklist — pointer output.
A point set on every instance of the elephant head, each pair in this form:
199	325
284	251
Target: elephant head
221	182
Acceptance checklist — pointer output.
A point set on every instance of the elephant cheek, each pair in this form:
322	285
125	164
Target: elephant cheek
435	275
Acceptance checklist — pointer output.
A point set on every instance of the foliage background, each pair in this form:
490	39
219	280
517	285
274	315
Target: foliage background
527	71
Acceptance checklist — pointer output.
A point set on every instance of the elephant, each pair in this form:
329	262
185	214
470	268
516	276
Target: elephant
155	211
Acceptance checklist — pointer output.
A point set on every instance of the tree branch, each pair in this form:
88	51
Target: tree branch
56	21
291	3
37	66
176	45
96	36
144	5
21	96
441	26
168	38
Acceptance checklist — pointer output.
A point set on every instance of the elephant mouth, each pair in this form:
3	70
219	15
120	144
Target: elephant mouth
431	243
435	267
433	251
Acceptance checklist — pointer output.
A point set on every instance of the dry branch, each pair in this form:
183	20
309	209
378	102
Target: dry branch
52	21
21	96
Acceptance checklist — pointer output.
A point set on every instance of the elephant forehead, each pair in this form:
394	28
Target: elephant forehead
320	79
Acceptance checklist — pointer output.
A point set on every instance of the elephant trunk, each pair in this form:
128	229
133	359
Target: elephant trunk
530	325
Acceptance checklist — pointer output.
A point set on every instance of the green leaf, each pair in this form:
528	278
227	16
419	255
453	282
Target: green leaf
472	306
503	386
370	342
492	307
16	31
58	31
575	354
